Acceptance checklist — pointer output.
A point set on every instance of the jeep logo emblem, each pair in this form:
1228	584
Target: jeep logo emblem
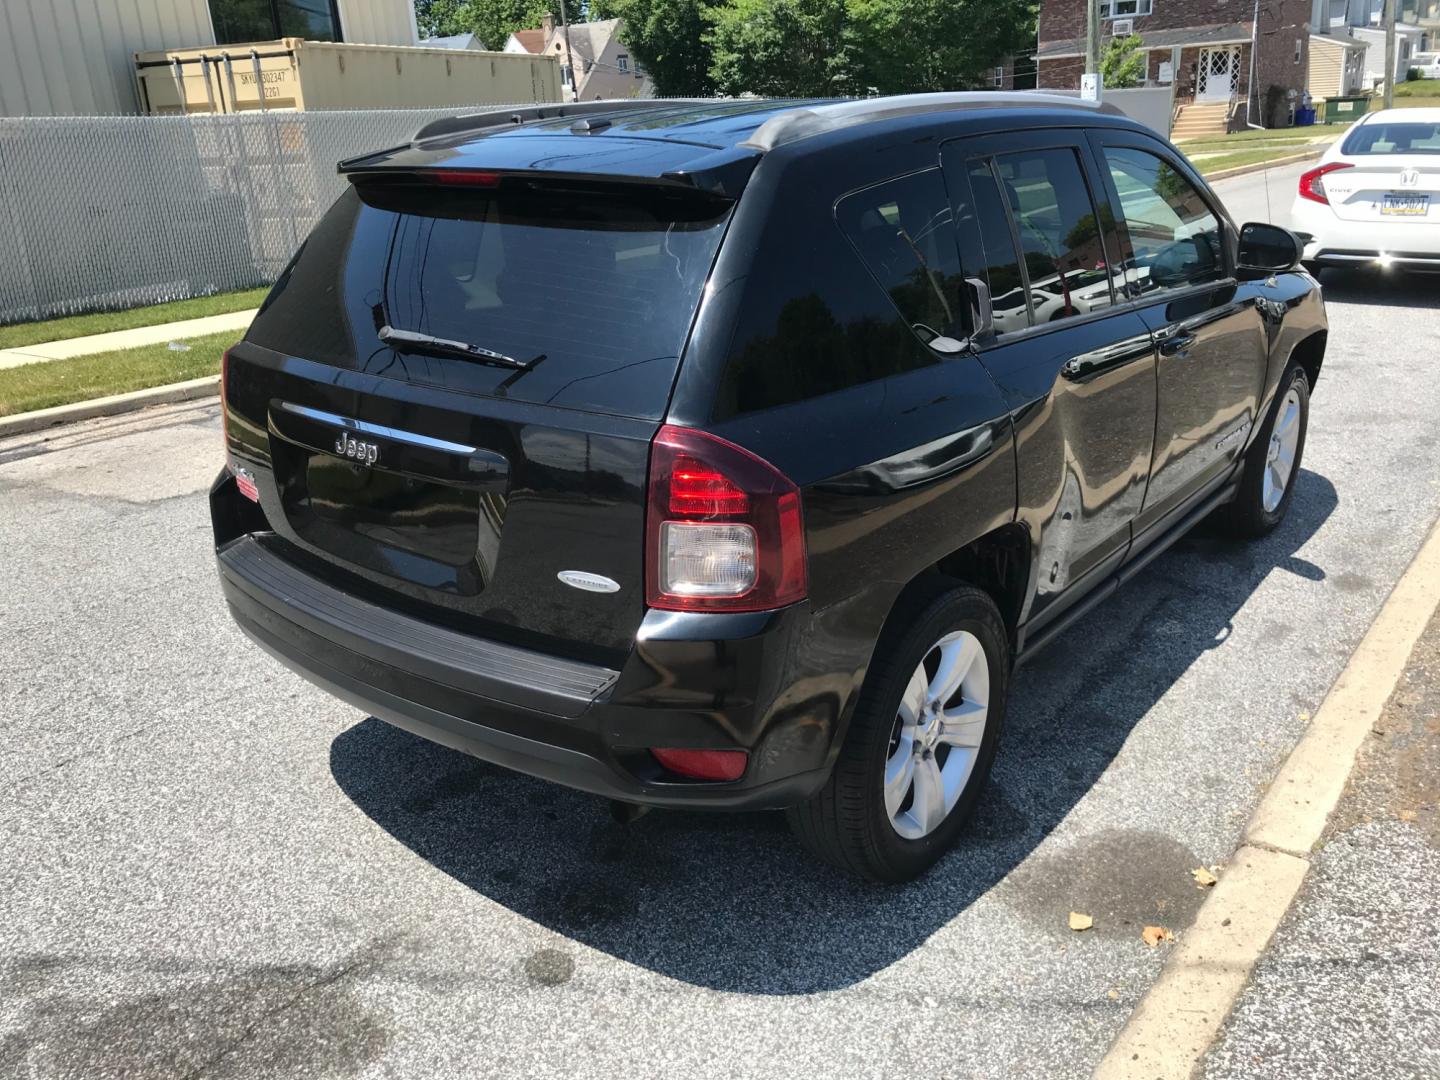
365	452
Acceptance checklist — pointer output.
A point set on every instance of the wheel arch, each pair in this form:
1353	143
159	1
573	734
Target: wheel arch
1309	353
997	563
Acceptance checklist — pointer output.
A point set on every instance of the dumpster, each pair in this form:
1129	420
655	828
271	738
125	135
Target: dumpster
1340	110
292	75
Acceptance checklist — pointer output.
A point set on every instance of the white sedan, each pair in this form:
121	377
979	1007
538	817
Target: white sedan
1375	196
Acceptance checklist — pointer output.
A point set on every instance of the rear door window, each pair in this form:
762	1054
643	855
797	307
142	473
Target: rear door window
1043	244
904	234
593	287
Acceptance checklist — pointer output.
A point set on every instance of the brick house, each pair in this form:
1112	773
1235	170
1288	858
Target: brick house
1216	39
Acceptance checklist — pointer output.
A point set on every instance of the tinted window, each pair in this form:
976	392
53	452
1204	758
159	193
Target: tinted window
1175	240
602	284
1060	240
904	234
985	219
1039	200
264	20
1393	138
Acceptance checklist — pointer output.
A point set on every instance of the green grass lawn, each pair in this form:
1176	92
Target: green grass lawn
60	382
1254	135
1220	162
73	326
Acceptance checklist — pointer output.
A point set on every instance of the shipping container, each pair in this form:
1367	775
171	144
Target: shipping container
291	74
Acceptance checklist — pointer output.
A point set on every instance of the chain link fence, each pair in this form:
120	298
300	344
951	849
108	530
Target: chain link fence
99	213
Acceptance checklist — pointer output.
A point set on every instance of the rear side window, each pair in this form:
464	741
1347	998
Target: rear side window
1175	240
903	232
1043	243
596	285
1392	138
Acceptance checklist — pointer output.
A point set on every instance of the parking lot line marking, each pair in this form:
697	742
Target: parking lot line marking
1164	1039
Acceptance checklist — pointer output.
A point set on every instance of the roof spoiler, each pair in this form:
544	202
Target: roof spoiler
513	116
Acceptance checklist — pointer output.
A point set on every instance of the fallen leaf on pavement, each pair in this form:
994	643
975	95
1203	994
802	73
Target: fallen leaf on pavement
1080	922
1203	877
1154	935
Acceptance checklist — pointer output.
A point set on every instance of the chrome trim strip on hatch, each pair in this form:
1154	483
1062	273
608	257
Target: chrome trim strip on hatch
393	434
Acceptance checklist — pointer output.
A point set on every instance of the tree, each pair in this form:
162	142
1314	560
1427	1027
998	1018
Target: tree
667	37
782	48
1122	63
492	21
914	46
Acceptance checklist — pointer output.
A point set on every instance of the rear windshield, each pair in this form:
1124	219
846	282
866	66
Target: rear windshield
592	287
1400	137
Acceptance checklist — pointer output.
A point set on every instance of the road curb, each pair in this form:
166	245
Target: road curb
1260	166
40	419
1180	1015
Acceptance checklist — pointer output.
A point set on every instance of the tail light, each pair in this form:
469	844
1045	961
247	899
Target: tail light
1312	183
723	529
244	478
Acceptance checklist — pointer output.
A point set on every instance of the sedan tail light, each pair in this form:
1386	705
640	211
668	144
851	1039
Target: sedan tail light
723	528
1312	183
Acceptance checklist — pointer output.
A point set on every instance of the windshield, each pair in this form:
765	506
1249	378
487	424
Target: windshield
591	290
1396	137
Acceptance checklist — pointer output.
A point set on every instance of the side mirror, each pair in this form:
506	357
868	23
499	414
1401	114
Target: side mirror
1268	249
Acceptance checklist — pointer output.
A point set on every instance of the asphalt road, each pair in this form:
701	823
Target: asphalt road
213	870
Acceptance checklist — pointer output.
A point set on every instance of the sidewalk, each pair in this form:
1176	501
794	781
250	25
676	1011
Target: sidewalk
126	339
1348	986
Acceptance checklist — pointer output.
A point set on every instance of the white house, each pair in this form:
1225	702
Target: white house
78	58
602	66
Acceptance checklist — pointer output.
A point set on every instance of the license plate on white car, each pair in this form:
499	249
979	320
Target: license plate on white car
1406	205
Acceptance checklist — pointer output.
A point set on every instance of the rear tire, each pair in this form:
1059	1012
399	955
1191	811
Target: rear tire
869	819
1267	484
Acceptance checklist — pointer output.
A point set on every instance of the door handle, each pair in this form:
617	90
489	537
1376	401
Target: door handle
1175	344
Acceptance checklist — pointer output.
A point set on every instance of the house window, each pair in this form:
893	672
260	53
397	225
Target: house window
238	21
1124	9
622	62
1299	48
1000	78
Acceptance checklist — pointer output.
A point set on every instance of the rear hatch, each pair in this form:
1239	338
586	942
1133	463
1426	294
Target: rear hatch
1393	173
449	397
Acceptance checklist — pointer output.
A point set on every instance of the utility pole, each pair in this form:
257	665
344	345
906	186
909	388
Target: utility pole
569	56
1092	35
1389	54
1091	85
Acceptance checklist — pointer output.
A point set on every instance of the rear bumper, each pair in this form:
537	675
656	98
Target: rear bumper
581	725
1332	241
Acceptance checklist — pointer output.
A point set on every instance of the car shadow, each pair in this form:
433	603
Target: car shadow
1383	288
730	901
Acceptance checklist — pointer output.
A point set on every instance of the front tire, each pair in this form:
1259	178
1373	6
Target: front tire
920	745
1272	465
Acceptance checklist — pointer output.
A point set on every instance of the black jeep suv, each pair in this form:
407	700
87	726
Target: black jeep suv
730	454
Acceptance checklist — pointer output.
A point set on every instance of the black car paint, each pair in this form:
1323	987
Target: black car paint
915	459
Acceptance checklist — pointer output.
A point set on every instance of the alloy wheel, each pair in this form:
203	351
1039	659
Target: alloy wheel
938	730
1280	458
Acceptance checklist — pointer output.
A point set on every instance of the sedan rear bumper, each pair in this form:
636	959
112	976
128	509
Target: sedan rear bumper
1332	241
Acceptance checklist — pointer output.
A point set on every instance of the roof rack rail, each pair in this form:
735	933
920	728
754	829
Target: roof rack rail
515	115
802	123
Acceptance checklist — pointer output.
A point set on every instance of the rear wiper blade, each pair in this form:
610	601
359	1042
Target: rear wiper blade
412	341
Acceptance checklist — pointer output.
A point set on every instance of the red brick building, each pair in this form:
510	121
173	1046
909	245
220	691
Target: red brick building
1216	39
